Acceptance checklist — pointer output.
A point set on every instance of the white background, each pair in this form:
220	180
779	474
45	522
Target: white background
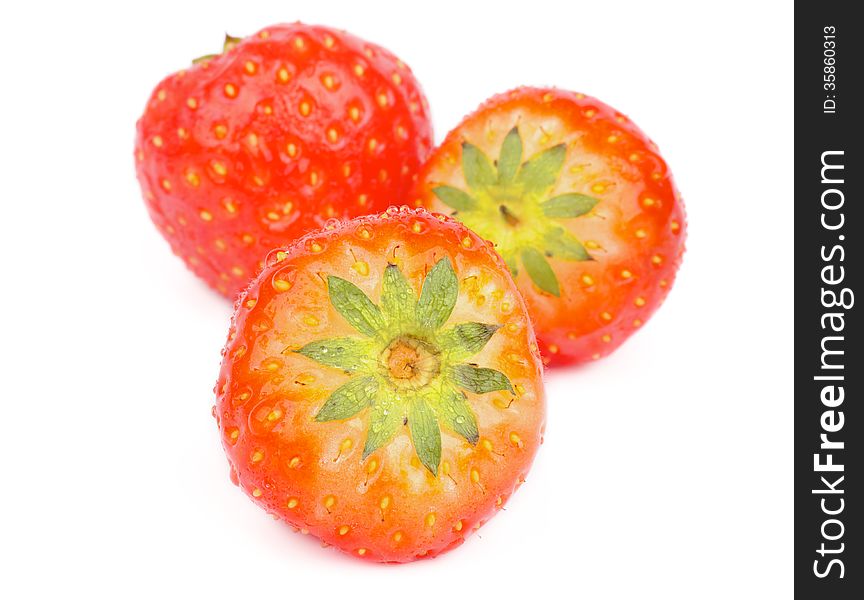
667	468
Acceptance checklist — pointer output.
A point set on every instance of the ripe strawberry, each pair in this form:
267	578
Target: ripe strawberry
381	386
250	149
577	201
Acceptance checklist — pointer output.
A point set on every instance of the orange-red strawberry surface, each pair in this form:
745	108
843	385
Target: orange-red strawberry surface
381	386
579	203
248	150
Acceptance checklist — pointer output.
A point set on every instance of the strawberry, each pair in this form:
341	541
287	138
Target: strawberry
250	149
579	204
381	386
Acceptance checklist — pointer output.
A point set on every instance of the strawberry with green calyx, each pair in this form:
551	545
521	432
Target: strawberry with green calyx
579	203
381	387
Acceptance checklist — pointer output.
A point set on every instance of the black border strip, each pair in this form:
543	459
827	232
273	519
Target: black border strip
829	363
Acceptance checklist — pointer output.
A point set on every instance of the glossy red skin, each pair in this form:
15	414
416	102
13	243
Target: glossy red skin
224	197
246	394
576	328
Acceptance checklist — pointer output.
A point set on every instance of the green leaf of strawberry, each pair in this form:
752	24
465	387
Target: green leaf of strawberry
355	306
541	170
438	296
511	156
568	206
229	43
348	399
467	339
480	380
540	271
398	300
477	167
425	433
455	413
455	198
386	418
348	354
562	244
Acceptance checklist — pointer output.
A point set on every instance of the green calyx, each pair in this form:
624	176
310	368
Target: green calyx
407	369
508	201
229	42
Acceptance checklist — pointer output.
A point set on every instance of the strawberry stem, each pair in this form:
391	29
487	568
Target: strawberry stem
508	216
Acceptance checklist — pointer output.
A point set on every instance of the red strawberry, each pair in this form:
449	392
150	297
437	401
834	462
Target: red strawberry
578	202
381	386
252	148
